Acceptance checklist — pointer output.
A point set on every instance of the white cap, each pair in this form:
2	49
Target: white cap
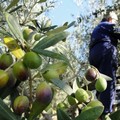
113	15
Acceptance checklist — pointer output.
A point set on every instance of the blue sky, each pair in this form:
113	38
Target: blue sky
63	12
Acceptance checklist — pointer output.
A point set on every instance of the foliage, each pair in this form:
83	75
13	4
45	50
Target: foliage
53	44
16	16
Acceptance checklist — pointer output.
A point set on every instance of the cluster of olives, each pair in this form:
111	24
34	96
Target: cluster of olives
87	97
6	76
44	95
92	74
83	100
80	96
18	69
12	71
29	34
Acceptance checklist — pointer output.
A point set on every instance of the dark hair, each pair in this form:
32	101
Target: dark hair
104	19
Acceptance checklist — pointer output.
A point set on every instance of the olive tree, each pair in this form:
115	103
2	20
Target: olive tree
24	31
42	74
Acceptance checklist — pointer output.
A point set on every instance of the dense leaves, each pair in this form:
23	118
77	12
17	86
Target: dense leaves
54	44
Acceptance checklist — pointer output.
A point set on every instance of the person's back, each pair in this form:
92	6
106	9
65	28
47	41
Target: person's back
103	33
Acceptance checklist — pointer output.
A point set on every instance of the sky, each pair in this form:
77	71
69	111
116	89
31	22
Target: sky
66	11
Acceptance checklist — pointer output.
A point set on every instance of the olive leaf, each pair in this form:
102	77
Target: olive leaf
51	40
13	3
36	109
52	55
115	115
91	111
63	86
106	77
61	115
40	1
6	113
14	27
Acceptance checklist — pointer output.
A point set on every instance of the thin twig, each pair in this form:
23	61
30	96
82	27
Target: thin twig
30	87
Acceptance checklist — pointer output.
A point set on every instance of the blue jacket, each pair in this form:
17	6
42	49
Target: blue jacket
105	31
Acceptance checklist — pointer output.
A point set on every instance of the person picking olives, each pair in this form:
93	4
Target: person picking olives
103	56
